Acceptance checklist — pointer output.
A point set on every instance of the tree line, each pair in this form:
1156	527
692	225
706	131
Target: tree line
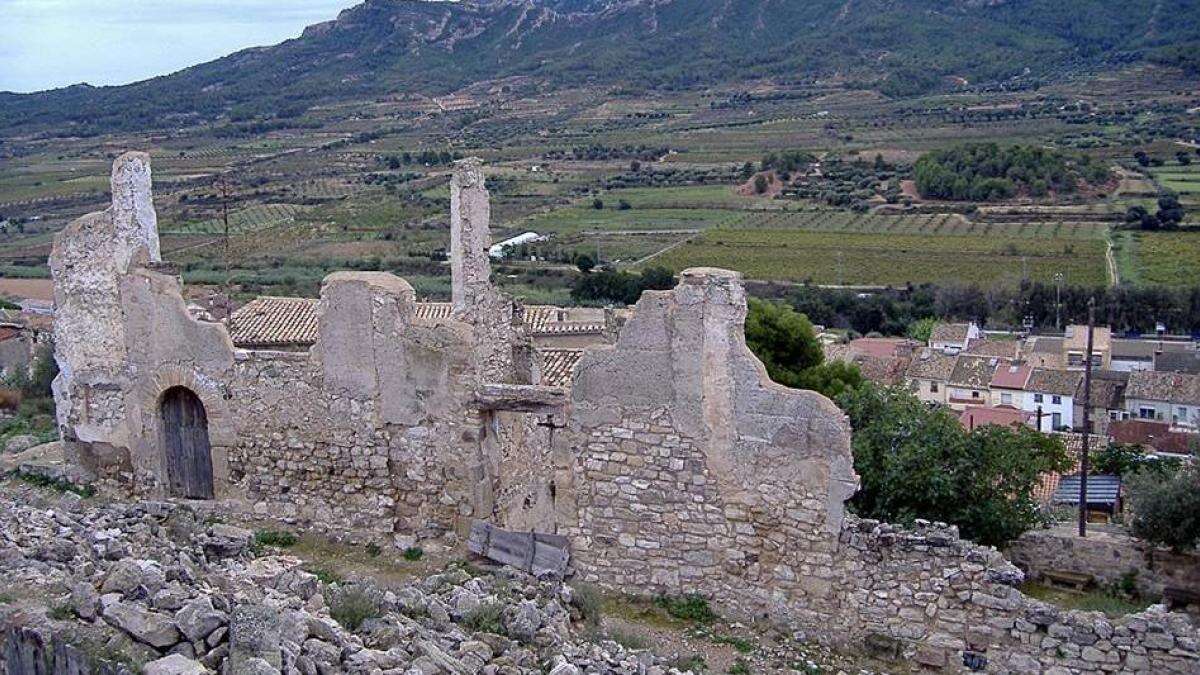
989	171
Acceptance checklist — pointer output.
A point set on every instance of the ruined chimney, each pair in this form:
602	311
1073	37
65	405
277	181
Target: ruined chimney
470	213
133	217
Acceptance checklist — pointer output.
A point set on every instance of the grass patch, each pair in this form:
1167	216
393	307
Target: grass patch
1091	601
692	608
57	484
353	605
323	574
413	554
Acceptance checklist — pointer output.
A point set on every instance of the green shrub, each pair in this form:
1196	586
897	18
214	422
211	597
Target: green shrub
694	663
739	667
352	605
587	599
741	644
413	553
324	574
373	550
277	538
1166	509
58	484
692	607
485	618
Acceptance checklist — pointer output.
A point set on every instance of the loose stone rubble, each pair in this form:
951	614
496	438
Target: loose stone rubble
671	462
151	587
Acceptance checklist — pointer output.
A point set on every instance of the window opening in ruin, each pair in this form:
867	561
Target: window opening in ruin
185	440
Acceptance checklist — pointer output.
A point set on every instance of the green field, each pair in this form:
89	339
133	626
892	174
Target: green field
855	258
1167	258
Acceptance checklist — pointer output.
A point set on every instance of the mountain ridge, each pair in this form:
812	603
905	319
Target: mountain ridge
382	46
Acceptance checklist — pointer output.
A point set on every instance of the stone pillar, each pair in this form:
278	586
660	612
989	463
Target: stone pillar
133	217
470	238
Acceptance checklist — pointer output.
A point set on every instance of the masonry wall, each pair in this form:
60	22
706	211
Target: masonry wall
692	473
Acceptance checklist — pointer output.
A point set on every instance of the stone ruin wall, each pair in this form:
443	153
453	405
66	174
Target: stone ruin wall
373	432
676	466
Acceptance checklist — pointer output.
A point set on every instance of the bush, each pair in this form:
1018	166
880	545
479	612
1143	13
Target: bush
587	599
485	618
280	539
352	605
413	554
692	607
1166	508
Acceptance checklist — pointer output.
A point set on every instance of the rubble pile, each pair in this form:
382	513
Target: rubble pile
151	587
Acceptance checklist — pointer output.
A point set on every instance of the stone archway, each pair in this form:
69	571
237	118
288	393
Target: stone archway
184	424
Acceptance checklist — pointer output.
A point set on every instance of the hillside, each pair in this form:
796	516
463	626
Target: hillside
388	46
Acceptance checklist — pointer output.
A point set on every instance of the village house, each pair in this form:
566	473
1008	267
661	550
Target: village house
953	338
1008	384
1107	399
1164	397
970	381
1045	352
1050	394
928	373
1184	358
1074	346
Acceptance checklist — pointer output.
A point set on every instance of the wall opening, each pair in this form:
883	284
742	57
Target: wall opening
185	444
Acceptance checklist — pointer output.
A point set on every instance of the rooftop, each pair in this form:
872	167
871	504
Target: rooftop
1000	416
558	366
1102	490
1075	339
931	364
1173	387
1054	381
950	332
975	371
1012	376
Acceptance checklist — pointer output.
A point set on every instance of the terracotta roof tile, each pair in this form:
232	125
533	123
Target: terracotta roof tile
1053	381
1173	387
975	371
931	364
275	322
558	366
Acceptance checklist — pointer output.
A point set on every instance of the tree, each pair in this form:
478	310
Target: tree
921	329
1142	158
1135	214
1166	509
919	462
1183	157
1170	211
624	205
597	203
635	166
760	184
585	263
785	342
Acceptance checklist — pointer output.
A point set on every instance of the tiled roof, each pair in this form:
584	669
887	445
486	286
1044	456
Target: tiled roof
1047	345
558	366
1008	349
275	322
1108	389
1178	362
1157	436
882	347
1053	381
1173	387
975	371
949	332
9	332
1000	416
293	322
931	364
1011	376
1133	350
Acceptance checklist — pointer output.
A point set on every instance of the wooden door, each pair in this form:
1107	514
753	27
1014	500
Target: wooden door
185	434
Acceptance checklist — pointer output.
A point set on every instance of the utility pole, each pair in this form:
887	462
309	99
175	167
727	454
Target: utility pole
223	186
1087	419
1058	281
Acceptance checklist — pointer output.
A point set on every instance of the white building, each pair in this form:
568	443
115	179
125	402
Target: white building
1164	397
953	338
500	250
1053	393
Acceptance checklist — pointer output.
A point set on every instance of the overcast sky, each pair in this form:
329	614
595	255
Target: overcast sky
53	43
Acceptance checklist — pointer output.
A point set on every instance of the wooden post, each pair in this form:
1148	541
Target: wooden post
1087	419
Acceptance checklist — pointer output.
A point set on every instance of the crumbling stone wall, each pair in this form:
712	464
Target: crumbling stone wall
374	432
690	472
1108	556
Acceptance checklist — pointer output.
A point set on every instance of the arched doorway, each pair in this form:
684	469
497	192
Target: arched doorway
185	440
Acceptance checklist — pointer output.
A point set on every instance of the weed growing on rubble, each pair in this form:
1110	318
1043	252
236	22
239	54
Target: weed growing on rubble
58	484
587	599
353	605
323	574
485	619
279	539
413	554
373	550
691	607
694	663
739	667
